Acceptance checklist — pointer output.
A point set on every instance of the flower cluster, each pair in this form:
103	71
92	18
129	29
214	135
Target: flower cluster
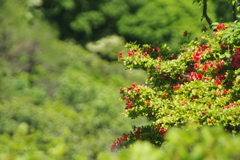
200	85
119	143
152	133
236	59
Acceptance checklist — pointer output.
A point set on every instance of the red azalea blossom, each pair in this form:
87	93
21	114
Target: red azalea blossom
120	55
113	147
207	65
185	33
184	103
223	45
126	98
165	76
174	56
145	54
134	85
204	28
220	26
211	120
195	76
203	47
129	104
219	65
164	96
121	89
130	89
149	49
230	106
162	130
156	49
236	60
124	138
197	55
204	112
197	65
157	66
225	91
205	68
130	53
148	102
217	82
176	86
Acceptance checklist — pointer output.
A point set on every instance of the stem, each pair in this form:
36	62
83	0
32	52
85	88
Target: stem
204	13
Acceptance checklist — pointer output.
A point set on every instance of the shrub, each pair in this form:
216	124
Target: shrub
199	85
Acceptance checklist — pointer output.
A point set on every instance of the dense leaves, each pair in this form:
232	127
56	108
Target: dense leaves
143	21
56	98
199	85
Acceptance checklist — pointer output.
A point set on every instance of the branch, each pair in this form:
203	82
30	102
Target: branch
235	10
204	13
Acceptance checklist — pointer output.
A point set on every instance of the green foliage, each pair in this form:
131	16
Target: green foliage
143	21
56	98
162	21
88	20
107	47
199	85
184	143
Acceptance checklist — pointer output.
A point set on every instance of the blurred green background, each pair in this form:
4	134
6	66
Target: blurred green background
59	75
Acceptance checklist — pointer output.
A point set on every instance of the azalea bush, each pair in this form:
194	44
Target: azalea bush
200	85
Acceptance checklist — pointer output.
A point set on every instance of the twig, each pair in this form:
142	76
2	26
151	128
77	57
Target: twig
204	13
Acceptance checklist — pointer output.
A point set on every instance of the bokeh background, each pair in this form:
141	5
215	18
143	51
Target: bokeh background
59	74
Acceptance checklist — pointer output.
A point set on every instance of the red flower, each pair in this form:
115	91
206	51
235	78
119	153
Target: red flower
121	89
162	130
205	68
204	112
211	120
156	49
185	33
130	89
223	45
195	76
236	60
217	82
145	54
177	86
130	53
197	55
124	138
120	55
203	47
204	28
225	91
220	26
113	147
157	66
134	85
197	65
150	49
129	105
164	96
148	102
230	106
126	98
